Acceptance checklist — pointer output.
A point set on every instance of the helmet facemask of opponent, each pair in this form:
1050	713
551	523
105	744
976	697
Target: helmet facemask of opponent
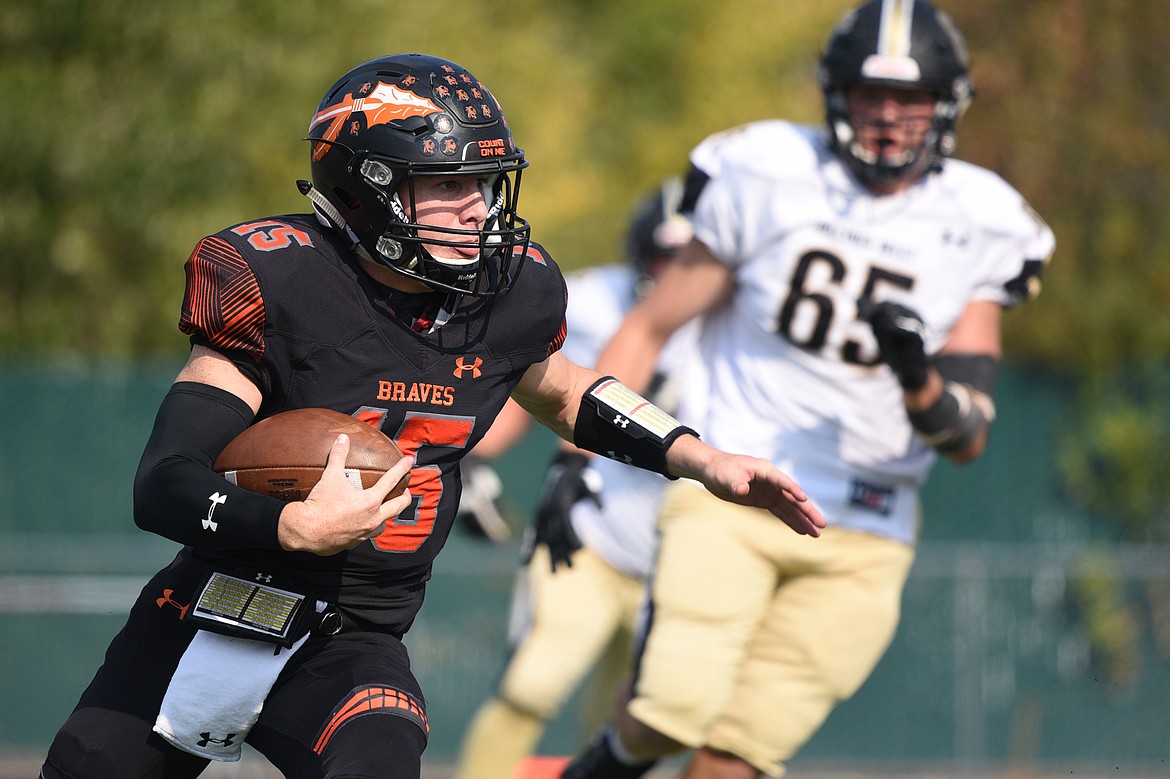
379	131
900	45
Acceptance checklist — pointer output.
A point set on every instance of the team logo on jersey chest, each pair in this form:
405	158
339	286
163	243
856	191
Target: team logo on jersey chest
416	392
425	393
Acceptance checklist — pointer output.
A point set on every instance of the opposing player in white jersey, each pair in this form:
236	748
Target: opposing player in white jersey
578	599
851	280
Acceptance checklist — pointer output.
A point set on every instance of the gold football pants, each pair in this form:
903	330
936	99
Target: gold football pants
759	632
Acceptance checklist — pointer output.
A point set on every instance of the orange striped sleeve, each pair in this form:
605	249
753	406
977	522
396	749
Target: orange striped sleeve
372	700
563	333
559	341
223	301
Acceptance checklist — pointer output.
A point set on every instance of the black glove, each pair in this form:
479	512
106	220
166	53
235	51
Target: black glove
479	513
900	335
565	483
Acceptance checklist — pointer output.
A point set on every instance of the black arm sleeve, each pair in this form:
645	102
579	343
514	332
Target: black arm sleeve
977	371
178	496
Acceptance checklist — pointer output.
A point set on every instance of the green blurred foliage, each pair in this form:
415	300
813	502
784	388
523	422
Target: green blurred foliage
1115	455
1073	109
133	128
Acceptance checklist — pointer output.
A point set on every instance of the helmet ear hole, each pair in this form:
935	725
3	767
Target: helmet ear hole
346	198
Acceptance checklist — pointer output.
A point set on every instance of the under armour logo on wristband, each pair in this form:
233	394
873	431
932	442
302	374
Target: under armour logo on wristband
216	500
622	422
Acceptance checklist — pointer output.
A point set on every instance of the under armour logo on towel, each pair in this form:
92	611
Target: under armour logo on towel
205	739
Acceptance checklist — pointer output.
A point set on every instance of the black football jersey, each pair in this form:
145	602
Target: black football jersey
286	300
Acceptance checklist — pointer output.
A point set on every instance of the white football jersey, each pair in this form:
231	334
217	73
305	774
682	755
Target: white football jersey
622	530
792	372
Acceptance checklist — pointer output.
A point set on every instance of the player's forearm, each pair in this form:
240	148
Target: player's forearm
689	458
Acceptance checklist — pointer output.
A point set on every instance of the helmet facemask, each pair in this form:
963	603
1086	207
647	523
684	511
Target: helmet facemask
937	141
411	247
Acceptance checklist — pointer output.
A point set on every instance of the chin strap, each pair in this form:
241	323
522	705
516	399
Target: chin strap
332	217
325	208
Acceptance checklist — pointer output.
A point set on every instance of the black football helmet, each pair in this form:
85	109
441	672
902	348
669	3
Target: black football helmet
657	229
393	119
906	44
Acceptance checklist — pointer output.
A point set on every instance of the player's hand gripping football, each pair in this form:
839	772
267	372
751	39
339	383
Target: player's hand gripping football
335	516
565	483
748	481
901	336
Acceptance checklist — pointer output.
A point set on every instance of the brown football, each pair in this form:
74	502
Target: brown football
284	455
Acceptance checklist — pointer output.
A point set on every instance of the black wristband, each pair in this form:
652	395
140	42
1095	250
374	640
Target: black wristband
953	422
616	422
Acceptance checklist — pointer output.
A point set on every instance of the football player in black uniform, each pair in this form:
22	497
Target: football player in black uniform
412	298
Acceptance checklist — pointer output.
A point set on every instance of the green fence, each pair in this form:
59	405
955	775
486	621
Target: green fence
991	666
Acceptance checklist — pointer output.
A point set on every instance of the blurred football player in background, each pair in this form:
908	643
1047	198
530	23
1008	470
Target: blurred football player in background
591	549
413	298
850	280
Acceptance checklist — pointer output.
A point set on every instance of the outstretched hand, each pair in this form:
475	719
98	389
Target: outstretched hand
336	516
747	481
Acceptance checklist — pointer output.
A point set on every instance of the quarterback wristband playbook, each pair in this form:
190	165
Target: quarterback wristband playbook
618	423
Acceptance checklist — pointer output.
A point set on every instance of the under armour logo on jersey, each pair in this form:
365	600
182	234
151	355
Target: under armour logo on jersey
958	239
166	599
461	366
205	739
216	500
622	422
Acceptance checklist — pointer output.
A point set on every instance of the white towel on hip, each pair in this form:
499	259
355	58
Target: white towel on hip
217	692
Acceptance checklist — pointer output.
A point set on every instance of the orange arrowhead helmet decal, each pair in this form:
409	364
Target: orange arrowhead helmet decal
384	104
